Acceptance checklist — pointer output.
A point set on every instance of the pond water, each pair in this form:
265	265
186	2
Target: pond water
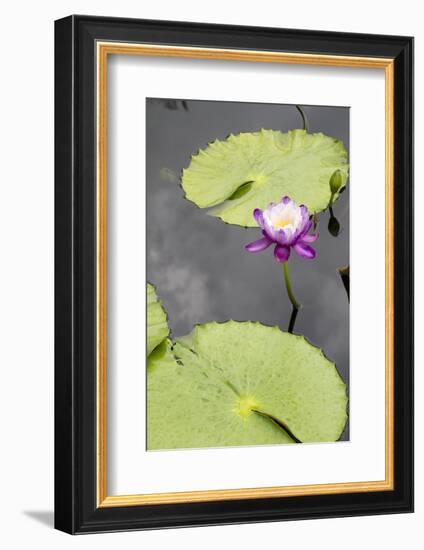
198	263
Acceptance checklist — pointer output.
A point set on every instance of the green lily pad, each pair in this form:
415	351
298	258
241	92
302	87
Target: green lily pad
157	324
242	383
250	170
189	407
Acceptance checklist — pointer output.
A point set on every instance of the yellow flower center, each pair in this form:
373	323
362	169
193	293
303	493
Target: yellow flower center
280	224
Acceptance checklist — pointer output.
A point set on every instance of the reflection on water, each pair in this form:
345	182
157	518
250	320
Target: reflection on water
199	264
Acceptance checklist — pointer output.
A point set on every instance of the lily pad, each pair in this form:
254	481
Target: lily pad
157	324
242	383
188	407
250	170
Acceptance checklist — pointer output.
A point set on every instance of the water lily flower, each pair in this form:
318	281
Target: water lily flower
287	226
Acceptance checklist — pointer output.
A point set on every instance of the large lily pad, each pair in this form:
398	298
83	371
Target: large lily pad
188	407
157	324
242	383
250	170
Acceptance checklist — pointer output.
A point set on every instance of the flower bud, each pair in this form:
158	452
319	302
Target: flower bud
336	181
333	226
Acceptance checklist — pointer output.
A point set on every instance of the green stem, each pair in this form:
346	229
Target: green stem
304	118
290	294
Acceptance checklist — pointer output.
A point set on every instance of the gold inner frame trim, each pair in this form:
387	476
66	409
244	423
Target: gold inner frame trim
104	49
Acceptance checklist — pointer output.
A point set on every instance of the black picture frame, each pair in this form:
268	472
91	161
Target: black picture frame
76	509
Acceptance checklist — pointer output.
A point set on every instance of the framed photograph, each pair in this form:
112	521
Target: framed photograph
234	274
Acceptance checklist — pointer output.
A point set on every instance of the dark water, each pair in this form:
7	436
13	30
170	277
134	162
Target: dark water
198	263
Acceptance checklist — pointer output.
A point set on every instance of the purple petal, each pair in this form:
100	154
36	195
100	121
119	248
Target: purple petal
308	238
281	253
257	246
307	226
268	230
259	217
304	226
304	251
281	237
286	199
306	222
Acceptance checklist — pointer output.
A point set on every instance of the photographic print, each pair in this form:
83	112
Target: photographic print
248	273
